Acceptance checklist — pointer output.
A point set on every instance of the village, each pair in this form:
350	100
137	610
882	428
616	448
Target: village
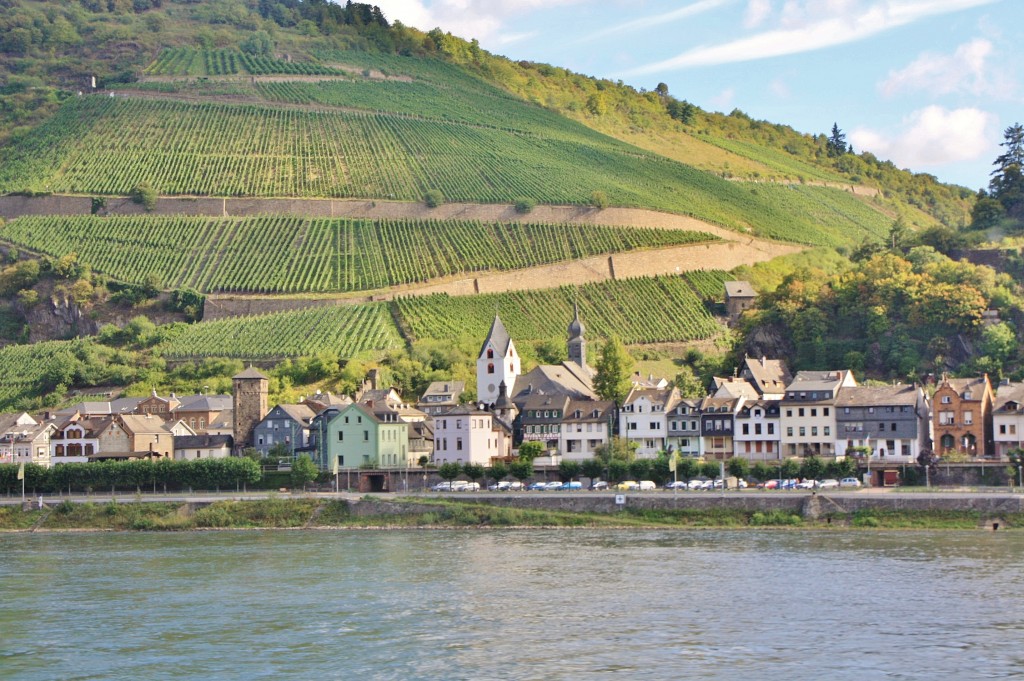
761	413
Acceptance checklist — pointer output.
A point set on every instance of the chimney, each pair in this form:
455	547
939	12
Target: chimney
763	360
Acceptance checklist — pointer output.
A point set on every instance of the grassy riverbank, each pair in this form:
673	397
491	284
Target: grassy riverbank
442	513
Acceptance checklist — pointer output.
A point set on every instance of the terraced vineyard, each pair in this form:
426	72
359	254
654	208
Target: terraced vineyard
104	145
25	368
294	254
347	330
644	310
187	61
709	284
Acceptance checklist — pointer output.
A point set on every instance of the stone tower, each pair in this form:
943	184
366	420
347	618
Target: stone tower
577	345
249	399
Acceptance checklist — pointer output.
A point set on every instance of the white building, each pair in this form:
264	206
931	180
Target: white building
586	426
643	419
1008	418
808	418
467	435
497	362
758	432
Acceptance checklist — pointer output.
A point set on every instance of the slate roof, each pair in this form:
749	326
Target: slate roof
739	289
767	375
878	396
204	403
1012	394
203	442
251	372
498	336
567	378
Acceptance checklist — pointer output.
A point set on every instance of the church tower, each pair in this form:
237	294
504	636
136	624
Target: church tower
577	345
497	362
249	398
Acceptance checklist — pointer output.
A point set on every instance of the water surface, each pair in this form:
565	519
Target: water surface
560	604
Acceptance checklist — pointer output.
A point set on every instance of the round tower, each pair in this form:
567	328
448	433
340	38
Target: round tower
249	400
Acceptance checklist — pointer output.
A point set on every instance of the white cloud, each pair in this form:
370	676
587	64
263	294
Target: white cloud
481	19
657	19
816	25
962	71
757	12
723	100
932	137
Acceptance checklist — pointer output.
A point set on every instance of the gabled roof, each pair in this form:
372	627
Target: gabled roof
498	337
878	396
204	403
735	387
300	413
975	385
739	289
143	424
767	375
662	396
819	380
444	388
586	408
203	442
567	378
1010	393
540	402
720	405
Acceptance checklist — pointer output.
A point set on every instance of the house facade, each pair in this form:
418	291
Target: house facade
718	426
758	434
962	417
684	434
808	419
285	424
358	437
467	435
643	419
586	426
892	421
1008	419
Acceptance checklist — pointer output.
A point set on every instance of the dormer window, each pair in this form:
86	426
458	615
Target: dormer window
967	395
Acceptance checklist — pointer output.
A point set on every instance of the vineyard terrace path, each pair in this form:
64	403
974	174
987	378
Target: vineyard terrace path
735	249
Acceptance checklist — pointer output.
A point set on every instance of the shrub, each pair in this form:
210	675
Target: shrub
144	195
599	200
524	206
433	198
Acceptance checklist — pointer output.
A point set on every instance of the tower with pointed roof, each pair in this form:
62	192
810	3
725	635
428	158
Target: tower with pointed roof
497	362
577	345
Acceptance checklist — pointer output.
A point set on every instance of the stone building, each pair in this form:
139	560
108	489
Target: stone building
249	392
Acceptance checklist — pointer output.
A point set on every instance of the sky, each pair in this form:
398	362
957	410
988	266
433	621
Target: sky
928	84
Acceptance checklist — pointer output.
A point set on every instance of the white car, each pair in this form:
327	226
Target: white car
695	484
849	482
806	484
647	486
500	486
557	484
470	487
829	483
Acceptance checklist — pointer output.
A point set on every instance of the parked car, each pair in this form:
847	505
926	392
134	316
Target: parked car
599	485
627	485
442	487
515	486
849	482
647	486
769	484
556	485
678	484
572	486
470	487
806	484
538	486
741	483
500	486
828	483
695	484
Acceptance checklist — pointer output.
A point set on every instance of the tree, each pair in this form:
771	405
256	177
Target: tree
473	471
258	43
449	471
521	470
498	471
616	449
530	450
433	198
688	383
687	467
836	143
662	89
599	200
592	468
1007	184
738	467
145	195
568	470
614	369
790	468
812	468
304	471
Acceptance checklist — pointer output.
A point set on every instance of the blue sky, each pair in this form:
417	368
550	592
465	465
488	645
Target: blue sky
927	84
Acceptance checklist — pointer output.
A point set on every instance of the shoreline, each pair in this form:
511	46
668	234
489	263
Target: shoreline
370	513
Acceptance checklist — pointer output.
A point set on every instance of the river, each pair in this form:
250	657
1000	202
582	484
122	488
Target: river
512	604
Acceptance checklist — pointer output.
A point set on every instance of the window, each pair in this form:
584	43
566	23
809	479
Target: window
789	431
1002	429
490	368
771	429
968	418
1013	429
803	431
826	431
655	425
814	431
632	426
366	436
814	412
490	353
800	411
881	427
458	444
746	429
892	427
341	436
789	413
946	399
824	412
871	410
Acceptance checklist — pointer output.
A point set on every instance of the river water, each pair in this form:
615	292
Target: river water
515	604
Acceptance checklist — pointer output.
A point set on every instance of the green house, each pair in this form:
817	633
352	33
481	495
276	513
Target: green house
360	436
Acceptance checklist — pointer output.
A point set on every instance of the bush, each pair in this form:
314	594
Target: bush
524	206
144	195
599	200
433	198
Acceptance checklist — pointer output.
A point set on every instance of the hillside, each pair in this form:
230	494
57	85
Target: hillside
316	120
